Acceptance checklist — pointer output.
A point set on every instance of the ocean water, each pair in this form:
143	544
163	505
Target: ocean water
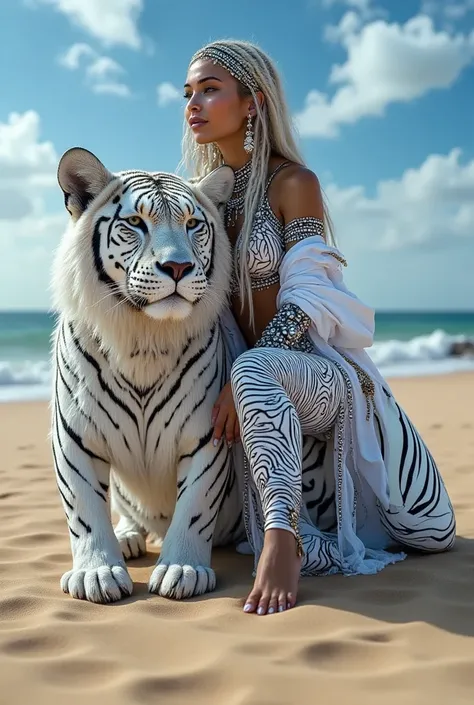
405	344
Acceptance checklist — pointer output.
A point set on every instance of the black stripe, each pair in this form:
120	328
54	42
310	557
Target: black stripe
74	436
177	384
83	523
201	443
71	507
104	386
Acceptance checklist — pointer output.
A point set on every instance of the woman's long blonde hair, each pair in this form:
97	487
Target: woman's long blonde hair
273	133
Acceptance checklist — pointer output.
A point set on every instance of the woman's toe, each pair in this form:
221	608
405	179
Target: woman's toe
282	602
263	604
252	601
273	604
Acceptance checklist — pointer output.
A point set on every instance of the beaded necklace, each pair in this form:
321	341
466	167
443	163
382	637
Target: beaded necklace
235	204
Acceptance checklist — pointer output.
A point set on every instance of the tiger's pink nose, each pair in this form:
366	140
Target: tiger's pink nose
177	270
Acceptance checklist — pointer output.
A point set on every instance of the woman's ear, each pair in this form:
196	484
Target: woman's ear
261	99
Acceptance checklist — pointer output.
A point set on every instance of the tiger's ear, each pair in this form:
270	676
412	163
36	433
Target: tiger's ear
218	185
82	177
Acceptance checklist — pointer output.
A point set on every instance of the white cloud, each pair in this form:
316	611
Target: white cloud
72	58
112	88
14	202
113	22
386	63
349	25
27	165
167	93
432	205
28	232
21	154
103	67
365	8
409	244
450	10
103	74
40	228
25	269
361	5
429	7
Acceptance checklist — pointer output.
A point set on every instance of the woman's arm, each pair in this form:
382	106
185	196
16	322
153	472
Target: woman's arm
299	201
300	205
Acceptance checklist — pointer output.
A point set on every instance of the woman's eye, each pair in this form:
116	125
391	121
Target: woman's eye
134	220
209	88
191	223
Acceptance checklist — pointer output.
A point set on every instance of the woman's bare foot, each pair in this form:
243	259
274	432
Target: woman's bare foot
278	572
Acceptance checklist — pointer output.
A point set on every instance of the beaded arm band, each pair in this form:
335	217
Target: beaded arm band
287	330
301	228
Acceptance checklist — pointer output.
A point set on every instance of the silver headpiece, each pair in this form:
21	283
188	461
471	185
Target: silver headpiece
226	57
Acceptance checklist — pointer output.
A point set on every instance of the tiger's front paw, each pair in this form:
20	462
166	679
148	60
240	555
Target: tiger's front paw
107	583
181	581
132	544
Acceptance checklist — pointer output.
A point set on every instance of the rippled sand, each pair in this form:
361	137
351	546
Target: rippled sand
403	636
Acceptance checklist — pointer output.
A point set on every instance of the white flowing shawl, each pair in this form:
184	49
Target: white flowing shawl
311	278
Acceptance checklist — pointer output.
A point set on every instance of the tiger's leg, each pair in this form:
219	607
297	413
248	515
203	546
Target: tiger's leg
98	573
279	395
129	529
183	569
420	515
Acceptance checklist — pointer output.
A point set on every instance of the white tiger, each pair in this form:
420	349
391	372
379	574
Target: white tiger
139	280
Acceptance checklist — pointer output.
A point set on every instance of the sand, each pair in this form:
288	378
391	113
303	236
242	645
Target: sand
402	636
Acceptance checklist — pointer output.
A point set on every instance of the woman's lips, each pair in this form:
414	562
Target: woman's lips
196	123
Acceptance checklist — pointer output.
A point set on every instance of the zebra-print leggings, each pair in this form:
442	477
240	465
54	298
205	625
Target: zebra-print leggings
282	395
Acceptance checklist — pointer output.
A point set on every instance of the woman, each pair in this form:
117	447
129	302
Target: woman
305	377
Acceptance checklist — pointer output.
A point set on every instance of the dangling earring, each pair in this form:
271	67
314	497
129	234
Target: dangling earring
249	141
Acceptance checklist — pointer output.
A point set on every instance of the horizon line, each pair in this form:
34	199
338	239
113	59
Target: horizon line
377	310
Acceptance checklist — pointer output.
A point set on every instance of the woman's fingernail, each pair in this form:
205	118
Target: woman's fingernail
281	608
247	607
288	607
261	610
229	444
271	610
215	442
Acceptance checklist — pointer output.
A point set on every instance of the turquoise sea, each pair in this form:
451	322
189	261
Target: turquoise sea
406	343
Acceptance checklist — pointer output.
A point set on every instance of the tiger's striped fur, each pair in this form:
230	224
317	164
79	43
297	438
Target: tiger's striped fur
139	280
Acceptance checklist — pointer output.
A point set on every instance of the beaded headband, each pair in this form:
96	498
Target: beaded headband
224	56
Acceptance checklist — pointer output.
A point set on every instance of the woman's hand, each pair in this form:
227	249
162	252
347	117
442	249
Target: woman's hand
224	417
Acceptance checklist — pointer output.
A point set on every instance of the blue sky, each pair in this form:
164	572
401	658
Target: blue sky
383	100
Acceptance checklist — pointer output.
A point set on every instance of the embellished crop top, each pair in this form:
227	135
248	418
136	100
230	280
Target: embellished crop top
268	241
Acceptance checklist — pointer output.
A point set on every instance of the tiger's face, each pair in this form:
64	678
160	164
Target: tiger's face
154	244
153	237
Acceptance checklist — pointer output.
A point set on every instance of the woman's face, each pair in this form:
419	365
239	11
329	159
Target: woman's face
214	109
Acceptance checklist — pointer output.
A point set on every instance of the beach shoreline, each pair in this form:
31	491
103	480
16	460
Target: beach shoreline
406	344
